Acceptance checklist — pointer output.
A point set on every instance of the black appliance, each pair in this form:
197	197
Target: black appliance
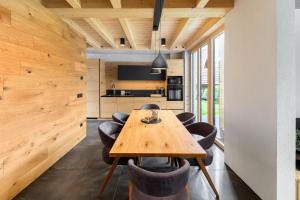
175	88
138	72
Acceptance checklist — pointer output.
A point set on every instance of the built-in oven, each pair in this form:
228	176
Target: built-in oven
174	88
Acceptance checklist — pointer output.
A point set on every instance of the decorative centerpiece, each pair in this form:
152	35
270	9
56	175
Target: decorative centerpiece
153	119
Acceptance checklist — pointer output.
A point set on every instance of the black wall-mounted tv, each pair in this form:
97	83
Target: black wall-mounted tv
138	72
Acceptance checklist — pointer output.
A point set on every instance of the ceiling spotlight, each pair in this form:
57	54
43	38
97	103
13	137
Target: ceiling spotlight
122	42
163	42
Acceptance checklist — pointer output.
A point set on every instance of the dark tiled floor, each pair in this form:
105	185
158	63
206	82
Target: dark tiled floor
77	176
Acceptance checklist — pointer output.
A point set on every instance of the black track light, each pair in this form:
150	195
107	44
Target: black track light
122	42
163	42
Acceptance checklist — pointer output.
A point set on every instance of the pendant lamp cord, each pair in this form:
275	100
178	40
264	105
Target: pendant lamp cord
159	37
155	45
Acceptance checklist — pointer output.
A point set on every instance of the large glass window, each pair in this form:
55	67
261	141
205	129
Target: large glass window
218	85
204	83
207	83
194	78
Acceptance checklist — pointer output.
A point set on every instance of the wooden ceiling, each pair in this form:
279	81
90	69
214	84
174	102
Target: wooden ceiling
184	23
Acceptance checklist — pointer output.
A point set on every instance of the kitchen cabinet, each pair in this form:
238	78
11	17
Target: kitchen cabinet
175	105
127	104
108	106
175	67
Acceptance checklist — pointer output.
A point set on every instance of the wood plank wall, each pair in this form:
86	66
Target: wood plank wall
42	113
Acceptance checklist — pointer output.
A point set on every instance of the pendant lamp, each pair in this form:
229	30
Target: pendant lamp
159	62
155	71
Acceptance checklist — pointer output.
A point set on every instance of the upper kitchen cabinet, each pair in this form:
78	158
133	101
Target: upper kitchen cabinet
175	67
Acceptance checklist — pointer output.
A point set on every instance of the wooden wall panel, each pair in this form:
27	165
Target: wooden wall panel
42	95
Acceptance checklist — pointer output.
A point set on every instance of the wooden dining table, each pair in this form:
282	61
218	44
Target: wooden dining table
169	138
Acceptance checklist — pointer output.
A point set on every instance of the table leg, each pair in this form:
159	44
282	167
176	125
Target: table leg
109	174
205	172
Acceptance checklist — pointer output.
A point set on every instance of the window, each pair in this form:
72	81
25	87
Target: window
194	79
218	85
207	83
204	83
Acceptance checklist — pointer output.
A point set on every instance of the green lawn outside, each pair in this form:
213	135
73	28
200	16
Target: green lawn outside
204	110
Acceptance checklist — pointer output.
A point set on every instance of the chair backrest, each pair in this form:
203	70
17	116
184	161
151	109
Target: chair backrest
150	107
159	184
208	131
186	118
120	117
108	132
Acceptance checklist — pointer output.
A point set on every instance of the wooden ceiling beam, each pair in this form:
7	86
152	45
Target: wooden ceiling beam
128	32
74	3
202	3
184	24
90	40
113	13
209	27
95	24
116	4
178	33
102	31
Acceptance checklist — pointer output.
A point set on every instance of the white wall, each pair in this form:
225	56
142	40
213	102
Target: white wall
298	59
260	96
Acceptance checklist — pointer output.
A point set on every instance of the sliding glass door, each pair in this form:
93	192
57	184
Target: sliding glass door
207	83
204	83
218	85
194	81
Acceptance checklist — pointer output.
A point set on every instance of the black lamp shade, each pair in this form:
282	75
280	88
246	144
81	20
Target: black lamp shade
155	71
159	62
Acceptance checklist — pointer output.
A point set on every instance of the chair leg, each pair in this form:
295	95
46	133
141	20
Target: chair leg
205	172
188	192
139	161
130	190
173	162
169	160
109	174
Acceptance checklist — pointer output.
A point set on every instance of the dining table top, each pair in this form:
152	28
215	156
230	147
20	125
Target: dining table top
169	138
